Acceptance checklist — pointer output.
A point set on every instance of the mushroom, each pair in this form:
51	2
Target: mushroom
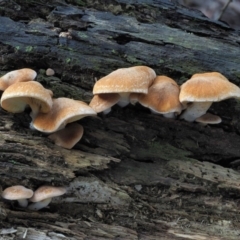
64	111
201	90
104	102
162	97
43	196
68	136
19	193
21	75
124	81
208	118
50	72
21	94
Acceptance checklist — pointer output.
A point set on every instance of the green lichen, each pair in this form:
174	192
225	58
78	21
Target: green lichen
82	35
17	48
79	2
115	9
114	52
68	60
237	74
29	48
133	60
66	48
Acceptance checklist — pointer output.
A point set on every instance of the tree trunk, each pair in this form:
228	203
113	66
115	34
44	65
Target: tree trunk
133	175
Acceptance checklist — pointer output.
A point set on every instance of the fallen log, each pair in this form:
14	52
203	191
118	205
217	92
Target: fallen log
133	175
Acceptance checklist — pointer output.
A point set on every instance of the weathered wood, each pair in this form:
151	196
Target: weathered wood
134	175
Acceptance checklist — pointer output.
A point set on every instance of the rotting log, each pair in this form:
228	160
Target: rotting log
134	175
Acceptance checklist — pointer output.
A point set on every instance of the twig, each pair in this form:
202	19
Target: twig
224	9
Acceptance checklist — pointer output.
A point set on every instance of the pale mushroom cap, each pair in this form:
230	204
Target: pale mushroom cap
64	110
162	96
45	192
17	96
102	102
212	87
132	79
21	75
209	118
68	136
50	72
17	192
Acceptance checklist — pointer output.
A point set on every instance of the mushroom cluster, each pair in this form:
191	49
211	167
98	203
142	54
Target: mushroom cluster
162	95
139	84
49	115
40	198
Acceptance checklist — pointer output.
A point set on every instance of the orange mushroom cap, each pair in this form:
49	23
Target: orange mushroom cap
64	111
104	102
162	96
208	87
17	96
68	136
21	75
126	80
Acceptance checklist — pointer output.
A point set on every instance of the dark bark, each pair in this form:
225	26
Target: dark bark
133	175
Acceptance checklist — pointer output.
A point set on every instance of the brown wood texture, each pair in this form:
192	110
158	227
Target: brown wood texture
133	175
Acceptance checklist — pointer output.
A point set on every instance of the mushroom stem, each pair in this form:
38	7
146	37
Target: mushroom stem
166	115
35	108
22	202
31	126
133	98
39	205
124	100
195	110
169	115
105	112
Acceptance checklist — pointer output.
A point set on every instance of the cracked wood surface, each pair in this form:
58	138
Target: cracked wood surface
133	175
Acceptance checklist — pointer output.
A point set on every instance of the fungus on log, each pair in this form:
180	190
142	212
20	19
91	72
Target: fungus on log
133	175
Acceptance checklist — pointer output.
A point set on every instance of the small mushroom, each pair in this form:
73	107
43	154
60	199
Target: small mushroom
68	136
43	196
21	75
21	94
50	72
19	193
124	81
208	118
162	97
201	90
63	111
